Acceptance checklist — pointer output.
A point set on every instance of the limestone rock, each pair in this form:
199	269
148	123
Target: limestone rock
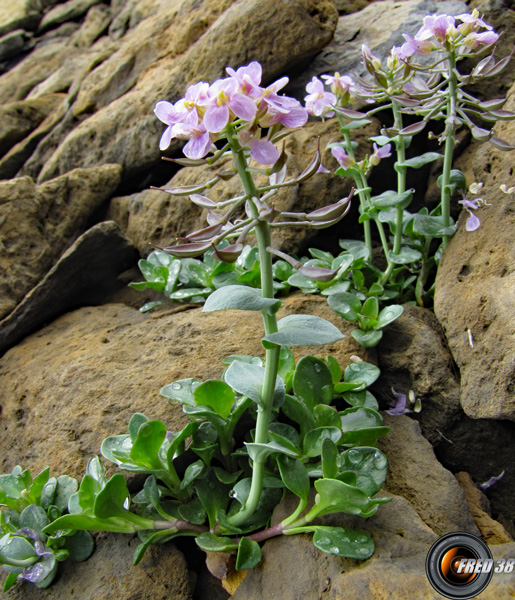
156	217
86	274
67	387
247	30
413	355
18	119
37	223
18	14
68	11
109	573
492	532
475	289
14	43
415	473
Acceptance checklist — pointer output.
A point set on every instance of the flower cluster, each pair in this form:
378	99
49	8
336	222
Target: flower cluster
473	221
440	32
238	100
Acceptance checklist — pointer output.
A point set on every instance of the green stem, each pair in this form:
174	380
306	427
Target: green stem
362	198
262	231
449	144
400	148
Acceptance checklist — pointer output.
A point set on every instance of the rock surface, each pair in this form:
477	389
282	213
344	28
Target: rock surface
37	223
475	289
70	284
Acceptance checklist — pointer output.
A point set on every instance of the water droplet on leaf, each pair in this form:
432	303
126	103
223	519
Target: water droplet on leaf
176	386
354	456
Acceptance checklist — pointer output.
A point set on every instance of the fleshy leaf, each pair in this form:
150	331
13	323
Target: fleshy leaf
249	554
303	330
343	542
239	297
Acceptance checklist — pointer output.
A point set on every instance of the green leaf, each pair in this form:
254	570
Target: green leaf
15	548
193	470
239	297
303	330
135	423
367	461
110	500
305	284
335	496
80	545
344	542
358	417
286	366
181	390
34	517
66	486
370	308
363	398
389	314
259	451
390	198
216	394
297	411
10	580
432	226
213	494
361	372
329	457
346	305
334	368
368	339
314	440
406	256
145	450
33	494
294	475
193	512
249	554
326	416
457	181
419	161
312	382
215	543
248	378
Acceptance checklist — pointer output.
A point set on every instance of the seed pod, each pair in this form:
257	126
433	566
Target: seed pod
186	250
228	254
318	273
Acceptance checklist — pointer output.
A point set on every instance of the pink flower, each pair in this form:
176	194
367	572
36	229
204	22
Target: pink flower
318	101
380	153
342	157
340	84
263	151
248	78
474	40
414	46
199	140
473	221
471	22
439	26
224	99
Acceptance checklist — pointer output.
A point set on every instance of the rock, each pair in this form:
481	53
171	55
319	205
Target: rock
91	369
109	573
68	11
379	25
86	274
413	355
484	448
34	68
18	14
414	472
95	24
12	162
245	31
492	532
14	43
475	289
18	119
37	223
155	217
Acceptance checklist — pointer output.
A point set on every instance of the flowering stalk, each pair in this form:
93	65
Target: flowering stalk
450	130
262	231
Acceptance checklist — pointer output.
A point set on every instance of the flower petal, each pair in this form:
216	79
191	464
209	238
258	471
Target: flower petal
165	112
216	118
263	151
166	138
198	146
243	107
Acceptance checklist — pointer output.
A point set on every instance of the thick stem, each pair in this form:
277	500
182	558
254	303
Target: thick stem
449	144
262	230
